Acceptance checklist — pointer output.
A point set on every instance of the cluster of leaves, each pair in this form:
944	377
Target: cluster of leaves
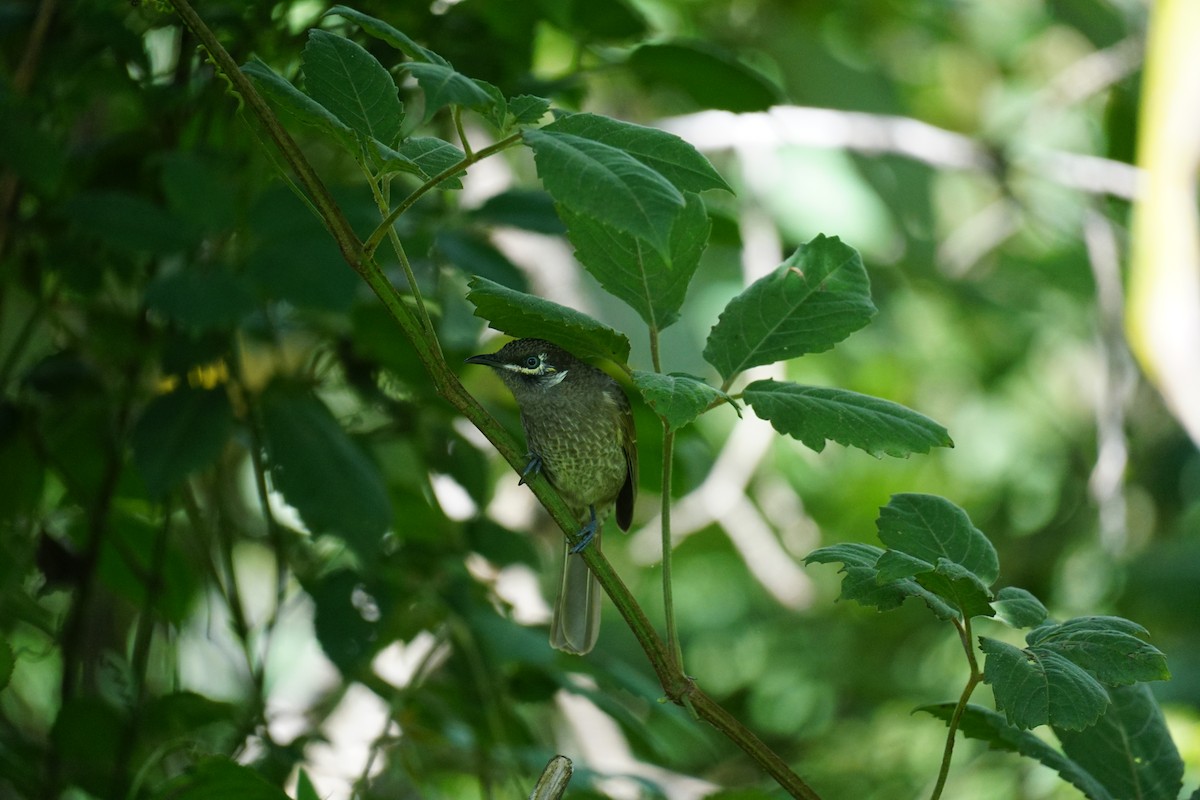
1084	677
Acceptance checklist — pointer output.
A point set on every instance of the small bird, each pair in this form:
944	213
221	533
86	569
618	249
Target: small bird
581	436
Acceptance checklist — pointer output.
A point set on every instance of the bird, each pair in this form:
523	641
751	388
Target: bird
581	436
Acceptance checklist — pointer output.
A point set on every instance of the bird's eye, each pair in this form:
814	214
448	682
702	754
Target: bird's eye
531	362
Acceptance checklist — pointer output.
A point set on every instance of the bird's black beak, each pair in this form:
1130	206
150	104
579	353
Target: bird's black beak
487	359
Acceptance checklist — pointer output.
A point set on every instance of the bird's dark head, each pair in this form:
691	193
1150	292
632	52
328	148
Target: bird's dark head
528	365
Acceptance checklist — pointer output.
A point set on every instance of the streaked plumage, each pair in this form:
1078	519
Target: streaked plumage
580	432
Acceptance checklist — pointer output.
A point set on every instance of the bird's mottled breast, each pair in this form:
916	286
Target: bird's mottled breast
578	436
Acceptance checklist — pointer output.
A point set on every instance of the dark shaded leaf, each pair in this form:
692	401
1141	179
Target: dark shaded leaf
130	222
524	315
321	471
711	77
201	301
219	777
179	433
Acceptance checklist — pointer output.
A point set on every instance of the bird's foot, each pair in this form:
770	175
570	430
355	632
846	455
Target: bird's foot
586	533
531	469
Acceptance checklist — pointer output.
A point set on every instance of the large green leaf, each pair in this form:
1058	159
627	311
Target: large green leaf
287	98
179	433
1107	647
663	152
711	77
219	777
525	315
814	414
387	34
812	301
607	184
678	398
989	726
928	528
346	79
653	283
1036	687
321	471
1129	749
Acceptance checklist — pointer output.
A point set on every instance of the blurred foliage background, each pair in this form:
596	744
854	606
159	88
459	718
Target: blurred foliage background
170	309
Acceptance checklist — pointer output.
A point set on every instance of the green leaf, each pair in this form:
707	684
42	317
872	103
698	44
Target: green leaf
304	787
958	585
929	528
1019	608
1129	749
321	471
179	433
526	109
201	300
1036	687
298	105
863	585
524	315
346	79
665	153
678	398
814	414
711	77
344	632
1107	647
219	777
429	155
387	34
988	726
443	86
652	282
812	301
606	183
